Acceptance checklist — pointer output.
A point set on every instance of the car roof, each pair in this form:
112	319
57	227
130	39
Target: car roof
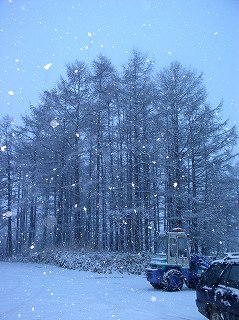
230	258
232	255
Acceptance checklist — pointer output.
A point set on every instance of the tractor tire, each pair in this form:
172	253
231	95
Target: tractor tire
157	286
172	280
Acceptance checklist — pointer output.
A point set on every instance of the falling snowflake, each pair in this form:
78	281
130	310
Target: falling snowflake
47	66
11	93
8	214
54	123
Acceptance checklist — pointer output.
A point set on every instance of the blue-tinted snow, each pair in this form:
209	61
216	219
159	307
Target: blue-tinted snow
37	291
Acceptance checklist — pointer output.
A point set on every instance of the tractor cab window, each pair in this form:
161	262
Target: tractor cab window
173	247
162	245
182	247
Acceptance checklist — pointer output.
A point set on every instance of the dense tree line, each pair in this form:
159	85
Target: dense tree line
106	161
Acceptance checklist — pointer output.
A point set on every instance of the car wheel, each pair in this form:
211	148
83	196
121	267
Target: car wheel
172	280
215	314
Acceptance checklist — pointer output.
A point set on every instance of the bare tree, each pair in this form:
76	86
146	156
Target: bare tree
7	160
194	141
136	97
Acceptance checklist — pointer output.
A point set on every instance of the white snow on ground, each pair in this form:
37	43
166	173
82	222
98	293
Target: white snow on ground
38	291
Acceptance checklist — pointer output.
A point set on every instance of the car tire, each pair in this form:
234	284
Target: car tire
215	314
172	280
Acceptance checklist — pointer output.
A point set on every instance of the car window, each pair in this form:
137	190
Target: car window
223	279
213	274
233	277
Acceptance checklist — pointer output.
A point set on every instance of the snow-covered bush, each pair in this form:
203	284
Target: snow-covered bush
100	262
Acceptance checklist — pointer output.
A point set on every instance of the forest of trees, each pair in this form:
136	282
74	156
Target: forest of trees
109	159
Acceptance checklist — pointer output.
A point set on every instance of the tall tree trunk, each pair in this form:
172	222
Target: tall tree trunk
9	249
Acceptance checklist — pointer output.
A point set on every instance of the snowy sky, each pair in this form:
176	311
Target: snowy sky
38	37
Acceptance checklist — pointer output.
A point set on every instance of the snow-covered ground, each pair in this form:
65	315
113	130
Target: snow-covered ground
38	291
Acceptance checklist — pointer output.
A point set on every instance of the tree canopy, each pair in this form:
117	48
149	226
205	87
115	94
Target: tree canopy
108	160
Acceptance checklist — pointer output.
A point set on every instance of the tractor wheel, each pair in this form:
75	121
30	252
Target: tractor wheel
172	280
156	286
215	314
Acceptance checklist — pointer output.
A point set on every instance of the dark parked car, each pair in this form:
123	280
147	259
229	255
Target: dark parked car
218	290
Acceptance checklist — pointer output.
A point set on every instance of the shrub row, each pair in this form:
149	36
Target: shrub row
100	262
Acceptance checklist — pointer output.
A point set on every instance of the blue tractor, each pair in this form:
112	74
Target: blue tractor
173	265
